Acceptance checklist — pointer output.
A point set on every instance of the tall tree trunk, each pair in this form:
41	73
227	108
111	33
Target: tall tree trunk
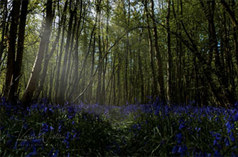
20	47
59	58
69	68
99	86
76	53
46	63
152	55
170	62
36	69
4	29
63	83
141	74
158	56
12	47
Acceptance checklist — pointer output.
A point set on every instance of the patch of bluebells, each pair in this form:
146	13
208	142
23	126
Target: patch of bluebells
52	130
188	130
157	129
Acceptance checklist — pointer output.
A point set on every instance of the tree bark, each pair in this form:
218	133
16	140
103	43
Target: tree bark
59	58
152	55
20	47
12	47
4	30
36	69
170	61
63	83
159	57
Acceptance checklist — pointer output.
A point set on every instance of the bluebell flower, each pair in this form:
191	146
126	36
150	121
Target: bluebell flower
175	149
236	117
217	154
229	127
217	139
66	142
136	126
51	109
182	125
55	154
197	129
51	128
179	138
45	109
24	143
157	110
34	152
45	128
182	149
232	137
236	105
227	142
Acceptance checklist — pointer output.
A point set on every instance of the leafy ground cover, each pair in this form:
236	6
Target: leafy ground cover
138	130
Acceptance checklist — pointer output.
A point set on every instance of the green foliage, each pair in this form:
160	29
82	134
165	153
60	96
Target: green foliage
50	130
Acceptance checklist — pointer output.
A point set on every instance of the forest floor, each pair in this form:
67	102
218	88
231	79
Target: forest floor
131	130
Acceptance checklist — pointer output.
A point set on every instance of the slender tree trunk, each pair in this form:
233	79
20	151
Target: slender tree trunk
46	63
118	96
152	55
158	56
141	74
99	86
12	47
51	84
63	82
92	68
57	84
20	47
76	57
36	69
170	61
4	30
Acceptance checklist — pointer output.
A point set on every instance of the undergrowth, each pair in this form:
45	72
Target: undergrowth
132	130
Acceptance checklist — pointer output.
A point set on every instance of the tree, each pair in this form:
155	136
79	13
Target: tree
36	69
20	48
15	12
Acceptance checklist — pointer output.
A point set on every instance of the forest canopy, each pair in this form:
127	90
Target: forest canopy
119	51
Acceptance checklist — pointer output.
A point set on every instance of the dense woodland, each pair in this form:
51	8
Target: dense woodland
119	51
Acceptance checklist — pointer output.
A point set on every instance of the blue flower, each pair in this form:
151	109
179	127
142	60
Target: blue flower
175	149
217	139
217	154
236	105
45	128
197	129
51	128
55	154
236	117
227	142
229	127
136	126
179	138
182	125
232	137
182	149
34	152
